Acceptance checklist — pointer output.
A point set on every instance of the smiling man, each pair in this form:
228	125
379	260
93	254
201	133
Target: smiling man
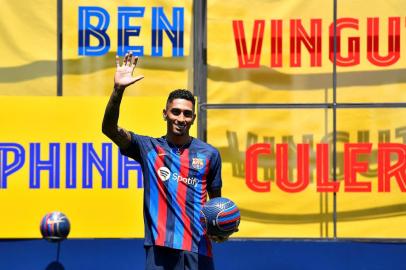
179	172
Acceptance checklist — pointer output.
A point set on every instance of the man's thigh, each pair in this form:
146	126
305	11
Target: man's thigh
194	261
163	258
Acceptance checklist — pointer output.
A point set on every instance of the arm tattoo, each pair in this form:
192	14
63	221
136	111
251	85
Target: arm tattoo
118	135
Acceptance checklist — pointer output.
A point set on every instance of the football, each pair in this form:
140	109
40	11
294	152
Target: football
220	217
55	227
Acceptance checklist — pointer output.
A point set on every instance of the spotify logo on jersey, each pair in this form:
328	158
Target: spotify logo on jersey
164	173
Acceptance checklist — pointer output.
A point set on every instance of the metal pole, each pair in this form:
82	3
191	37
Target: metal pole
59	60
200	64
335	119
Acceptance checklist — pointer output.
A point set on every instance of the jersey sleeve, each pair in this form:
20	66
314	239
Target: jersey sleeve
134	150
214	176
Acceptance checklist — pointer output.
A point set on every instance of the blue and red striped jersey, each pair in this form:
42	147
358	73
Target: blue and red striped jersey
175	189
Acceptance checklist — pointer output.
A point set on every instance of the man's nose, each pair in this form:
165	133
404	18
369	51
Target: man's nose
181	117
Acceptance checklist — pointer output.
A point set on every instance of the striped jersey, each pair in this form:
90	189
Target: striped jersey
175	189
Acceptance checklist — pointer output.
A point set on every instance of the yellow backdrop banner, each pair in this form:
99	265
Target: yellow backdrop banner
40	136
281	52
129	25
93	32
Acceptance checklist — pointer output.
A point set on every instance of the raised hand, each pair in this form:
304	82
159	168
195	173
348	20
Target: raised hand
124	73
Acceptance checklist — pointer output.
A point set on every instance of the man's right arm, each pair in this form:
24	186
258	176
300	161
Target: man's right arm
122	78
118	135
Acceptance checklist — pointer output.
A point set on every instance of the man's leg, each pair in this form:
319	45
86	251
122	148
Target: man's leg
163	258
194	261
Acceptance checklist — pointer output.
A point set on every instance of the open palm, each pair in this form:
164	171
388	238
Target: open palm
124	72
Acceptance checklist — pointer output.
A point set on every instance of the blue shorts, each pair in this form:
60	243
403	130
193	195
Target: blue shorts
163	258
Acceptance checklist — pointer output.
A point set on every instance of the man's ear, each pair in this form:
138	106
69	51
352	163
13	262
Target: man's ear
164	115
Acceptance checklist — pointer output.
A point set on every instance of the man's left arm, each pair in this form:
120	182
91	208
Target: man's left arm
214	188
215	193
214	177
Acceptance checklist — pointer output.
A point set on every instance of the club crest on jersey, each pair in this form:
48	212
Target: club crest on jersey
197	163
164	173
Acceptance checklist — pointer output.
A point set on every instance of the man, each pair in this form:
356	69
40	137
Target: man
179	171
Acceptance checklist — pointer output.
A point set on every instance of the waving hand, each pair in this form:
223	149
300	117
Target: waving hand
124	73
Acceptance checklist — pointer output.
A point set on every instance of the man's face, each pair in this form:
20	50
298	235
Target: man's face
179	115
